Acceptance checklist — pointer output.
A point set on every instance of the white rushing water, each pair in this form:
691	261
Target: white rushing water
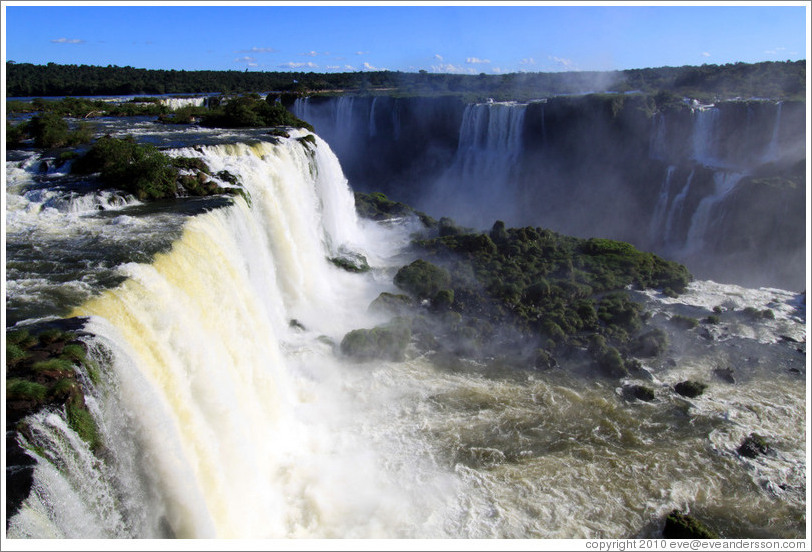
485	164
222	419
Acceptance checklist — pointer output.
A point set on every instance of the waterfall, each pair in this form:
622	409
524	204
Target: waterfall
658	146
373	129
702	219
486	162
177	103
676	211
705	136
228	404
772	153
344	122
658	218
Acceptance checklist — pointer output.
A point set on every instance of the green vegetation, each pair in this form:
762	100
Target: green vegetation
780	80
467	290
48	130
250	111
422	279
682	526
47	374
142	170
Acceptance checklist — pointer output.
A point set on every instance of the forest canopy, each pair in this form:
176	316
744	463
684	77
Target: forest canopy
775	80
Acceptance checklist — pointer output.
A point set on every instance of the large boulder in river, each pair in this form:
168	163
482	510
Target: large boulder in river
385	342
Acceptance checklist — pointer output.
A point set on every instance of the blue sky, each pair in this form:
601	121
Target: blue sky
450	38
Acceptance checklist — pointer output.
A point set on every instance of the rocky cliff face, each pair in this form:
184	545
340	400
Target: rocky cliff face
718	187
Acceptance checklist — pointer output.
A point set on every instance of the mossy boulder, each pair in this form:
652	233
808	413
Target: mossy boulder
679	525
385	342
690	388
392	303
351	262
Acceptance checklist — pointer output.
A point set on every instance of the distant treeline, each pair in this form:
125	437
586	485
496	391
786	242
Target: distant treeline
777	80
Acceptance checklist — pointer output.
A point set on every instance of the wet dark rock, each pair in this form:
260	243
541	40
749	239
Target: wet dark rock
753	445
724	374
544	360
690	389
19	474
639	392
682	526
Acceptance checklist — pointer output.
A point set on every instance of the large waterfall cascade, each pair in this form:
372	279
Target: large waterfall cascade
221	393
226	411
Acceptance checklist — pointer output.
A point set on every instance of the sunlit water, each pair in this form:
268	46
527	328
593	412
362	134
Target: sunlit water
221	419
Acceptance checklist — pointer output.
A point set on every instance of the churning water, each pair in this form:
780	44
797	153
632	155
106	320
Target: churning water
226	411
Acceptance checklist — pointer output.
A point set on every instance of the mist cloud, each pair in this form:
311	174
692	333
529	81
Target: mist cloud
67	41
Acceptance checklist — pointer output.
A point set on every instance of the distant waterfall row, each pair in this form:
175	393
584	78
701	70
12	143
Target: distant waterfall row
591	165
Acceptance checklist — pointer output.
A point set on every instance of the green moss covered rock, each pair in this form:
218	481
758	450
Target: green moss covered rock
679	525
385	342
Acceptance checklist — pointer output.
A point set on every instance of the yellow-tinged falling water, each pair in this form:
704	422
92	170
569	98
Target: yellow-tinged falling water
204	325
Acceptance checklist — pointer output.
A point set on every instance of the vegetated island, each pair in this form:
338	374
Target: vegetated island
529	296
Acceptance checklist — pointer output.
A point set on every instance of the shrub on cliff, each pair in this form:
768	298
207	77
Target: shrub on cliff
422	279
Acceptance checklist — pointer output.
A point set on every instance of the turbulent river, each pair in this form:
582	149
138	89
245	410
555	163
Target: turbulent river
226	410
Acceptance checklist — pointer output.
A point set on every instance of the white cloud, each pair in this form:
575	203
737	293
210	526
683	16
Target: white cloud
332	67
349	68
255	50
67	41
253	65
245	59
369	67
361	53
562	61
775	51
476	60
311	53
451	68
299	64
527	61
705	54
438	57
